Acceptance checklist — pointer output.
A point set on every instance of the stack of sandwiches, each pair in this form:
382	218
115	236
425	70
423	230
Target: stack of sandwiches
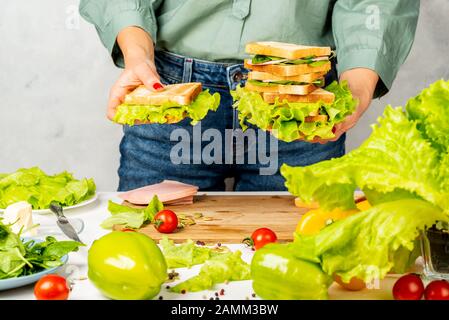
286	81
287	70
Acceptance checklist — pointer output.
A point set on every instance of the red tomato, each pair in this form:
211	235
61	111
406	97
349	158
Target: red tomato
263	236
408	287
51	287
437	290
165	221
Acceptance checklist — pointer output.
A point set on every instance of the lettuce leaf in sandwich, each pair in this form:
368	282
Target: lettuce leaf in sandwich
168	112
287	120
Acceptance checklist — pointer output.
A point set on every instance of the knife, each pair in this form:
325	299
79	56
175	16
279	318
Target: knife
63	223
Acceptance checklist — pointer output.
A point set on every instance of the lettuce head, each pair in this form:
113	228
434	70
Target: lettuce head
369	244
396	161
403	169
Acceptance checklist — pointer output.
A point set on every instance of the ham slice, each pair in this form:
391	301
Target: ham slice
168	192
185	200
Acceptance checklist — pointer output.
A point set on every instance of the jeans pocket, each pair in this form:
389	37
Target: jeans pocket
168	79
170	73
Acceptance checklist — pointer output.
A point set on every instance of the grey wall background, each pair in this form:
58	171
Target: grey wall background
55	77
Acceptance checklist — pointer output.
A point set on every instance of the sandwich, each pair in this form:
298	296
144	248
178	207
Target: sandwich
171	105
284	92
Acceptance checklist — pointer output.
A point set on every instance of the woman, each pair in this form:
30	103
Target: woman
169	41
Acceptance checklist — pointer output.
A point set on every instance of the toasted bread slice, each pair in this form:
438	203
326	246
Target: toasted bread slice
265	76
182	93
286	50
282	89
287	70
315	96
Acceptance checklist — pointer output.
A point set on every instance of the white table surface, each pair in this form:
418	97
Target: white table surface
93	214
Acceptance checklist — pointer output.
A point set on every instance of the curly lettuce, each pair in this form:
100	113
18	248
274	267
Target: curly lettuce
430	110
168	112
187	254
403	169
369	244
218	269
39	189
395	162
286	120
129	217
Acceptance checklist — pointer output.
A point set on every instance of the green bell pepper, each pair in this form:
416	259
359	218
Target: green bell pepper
278	275
127	265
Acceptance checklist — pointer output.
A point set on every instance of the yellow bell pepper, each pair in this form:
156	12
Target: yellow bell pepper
363	205
314	220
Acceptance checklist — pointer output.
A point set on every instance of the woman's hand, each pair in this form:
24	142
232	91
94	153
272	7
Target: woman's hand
138	52
362	83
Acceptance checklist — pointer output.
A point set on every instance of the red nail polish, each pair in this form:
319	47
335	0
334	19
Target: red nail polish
334	130
157	86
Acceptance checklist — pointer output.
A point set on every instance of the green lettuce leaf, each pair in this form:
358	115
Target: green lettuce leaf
187	254
430	110
153	208
204	102
39	189
129	217
396	161
317	63
319	83
115	208
126	219
260	58
18	258
218	269
286	120
369	244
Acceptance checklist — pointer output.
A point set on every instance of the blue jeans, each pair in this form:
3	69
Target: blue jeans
145	149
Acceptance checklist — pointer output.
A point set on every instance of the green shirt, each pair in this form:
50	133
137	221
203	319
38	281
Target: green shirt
375	34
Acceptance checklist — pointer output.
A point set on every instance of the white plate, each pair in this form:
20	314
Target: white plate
78	205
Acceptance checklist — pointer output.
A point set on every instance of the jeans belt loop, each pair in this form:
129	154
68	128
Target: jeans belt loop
188	69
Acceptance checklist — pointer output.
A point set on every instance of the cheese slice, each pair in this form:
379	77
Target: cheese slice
20	216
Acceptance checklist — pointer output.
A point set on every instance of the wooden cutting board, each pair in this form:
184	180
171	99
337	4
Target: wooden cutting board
229	219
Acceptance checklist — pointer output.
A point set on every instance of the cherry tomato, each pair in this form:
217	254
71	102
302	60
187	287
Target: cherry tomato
261	237
408	287
51	287
437	290
165	221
